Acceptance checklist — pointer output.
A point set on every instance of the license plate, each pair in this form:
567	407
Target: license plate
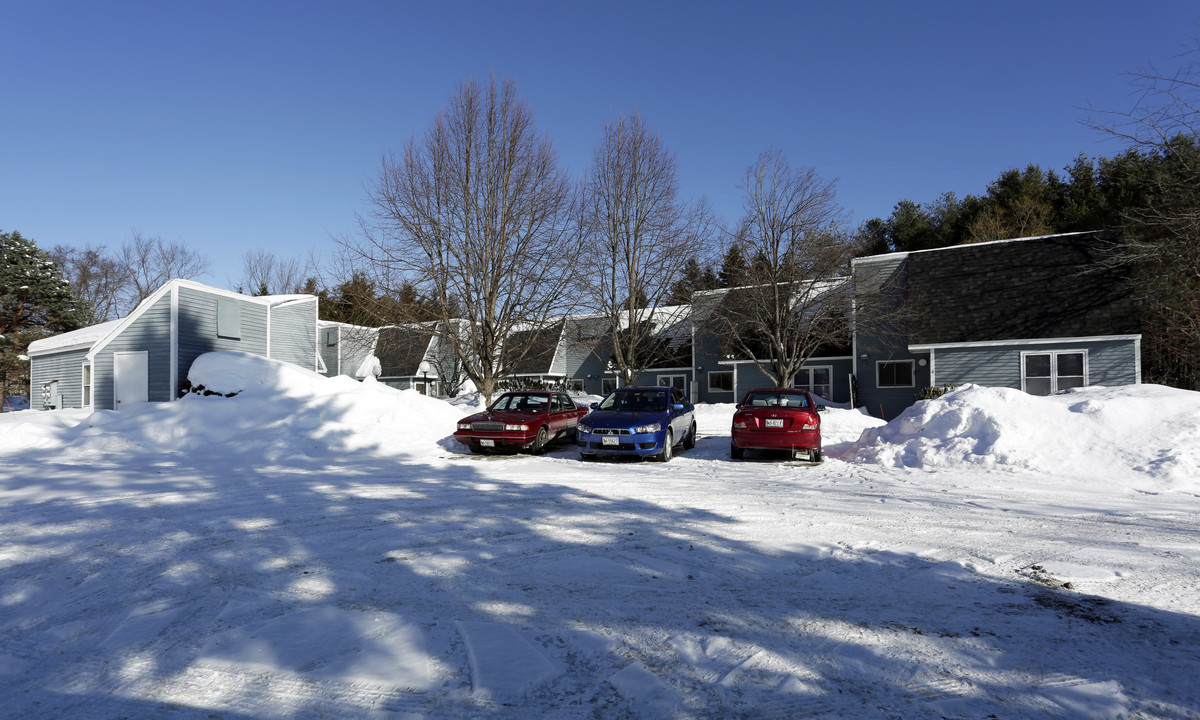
610	440
487	443
774	422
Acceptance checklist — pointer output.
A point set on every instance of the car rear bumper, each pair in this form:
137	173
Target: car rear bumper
776	439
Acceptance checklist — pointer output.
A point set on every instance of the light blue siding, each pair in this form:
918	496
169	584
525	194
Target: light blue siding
198	328
293	333
65	368
1109	362
151	332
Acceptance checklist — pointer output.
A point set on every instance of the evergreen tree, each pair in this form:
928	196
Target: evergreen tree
694	279
735	271
35	302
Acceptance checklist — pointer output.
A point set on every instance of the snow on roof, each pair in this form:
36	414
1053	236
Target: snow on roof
277	300
84	337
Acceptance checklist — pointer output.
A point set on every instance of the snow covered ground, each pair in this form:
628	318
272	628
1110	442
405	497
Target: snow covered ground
317	548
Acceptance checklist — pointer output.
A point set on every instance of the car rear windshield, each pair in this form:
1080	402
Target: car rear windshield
636	400
521	401
776	399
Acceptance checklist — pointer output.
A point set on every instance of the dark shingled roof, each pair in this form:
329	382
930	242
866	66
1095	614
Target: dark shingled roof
1022	289
401	350
540	346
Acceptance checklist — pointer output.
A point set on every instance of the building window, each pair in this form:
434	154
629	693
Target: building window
894	373
720	381
331	337
816	380
576	386
229	319
607	385
673	381
1046	373
87	386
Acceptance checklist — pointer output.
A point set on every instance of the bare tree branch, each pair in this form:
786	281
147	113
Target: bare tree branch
639	237
797	297
264	273
151	262
476	214
97	279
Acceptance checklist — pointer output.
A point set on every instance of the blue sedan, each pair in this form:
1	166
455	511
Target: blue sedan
641	421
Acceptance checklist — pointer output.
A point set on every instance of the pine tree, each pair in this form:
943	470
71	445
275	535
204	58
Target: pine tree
734	268
35	302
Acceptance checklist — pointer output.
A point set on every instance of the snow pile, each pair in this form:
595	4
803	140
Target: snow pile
1144	435
277	411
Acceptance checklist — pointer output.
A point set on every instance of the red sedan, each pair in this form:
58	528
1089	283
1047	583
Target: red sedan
777	419
528	419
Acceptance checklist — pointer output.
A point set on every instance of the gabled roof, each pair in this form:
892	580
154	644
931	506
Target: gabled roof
542	346
401	349
1054	286
80	339
95	337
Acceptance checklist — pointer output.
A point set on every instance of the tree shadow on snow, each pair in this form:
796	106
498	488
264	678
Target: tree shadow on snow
207	584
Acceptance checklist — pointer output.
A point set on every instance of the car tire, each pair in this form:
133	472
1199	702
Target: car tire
668	447
543	439
689	442
475	449
818	455
735	452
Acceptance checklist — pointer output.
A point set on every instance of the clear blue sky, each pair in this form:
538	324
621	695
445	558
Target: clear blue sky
232	126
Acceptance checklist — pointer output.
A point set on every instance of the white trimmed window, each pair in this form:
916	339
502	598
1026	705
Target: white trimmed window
87	385
894	374
607	385
673	381
720	381
817	380
1046	373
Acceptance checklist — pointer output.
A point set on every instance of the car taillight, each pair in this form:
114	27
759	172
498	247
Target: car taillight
739	421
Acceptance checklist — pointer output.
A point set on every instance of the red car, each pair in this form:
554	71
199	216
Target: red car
777	419
527	419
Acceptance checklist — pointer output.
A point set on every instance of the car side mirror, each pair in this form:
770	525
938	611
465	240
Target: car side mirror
820	408
593	406
677	406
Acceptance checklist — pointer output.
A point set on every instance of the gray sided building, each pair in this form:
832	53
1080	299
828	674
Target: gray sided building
344	348
586	349
724	374
1039	314
146	355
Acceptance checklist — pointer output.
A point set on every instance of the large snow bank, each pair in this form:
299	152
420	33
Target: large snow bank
1139	435
277	411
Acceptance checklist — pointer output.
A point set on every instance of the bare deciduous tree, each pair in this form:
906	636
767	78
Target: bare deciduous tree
1162	227
476	214
96	279
264	273
151	262
640	235
796	298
